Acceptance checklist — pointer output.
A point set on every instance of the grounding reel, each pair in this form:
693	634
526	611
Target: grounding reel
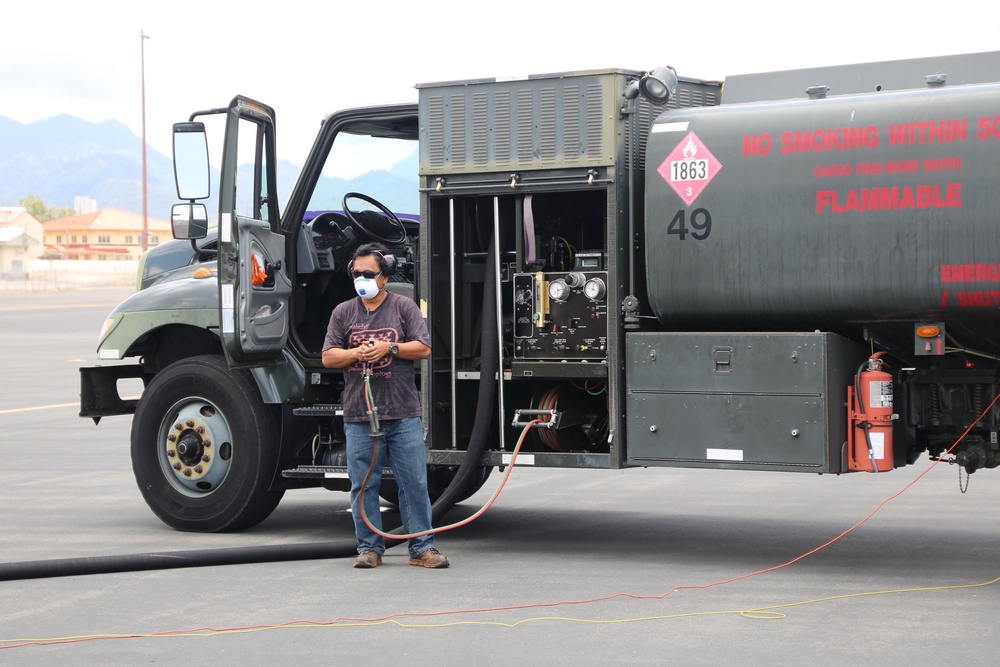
581	422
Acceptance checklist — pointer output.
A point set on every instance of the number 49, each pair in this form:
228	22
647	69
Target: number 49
700	224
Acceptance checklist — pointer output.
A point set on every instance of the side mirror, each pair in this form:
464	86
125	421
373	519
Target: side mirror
191	171
190	221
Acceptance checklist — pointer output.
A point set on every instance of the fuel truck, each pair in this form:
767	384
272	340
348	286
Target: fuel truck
791	271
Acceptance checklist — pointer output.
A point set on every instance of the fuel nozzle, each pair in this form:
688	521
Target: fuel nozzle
373	421
373	412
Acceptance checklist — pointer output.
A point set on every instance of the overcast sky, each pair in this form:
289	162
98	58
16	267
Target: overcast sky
307	59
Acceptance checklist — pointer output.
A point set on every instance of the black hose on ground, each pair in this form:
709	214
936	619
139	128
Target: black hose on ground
71	567
166	560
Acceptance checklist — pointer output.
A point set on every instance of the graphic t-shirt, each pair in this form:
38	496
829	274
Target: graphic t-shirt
397	320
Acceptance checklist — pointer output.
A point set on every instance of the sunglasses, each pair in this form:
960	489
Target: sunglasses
365	274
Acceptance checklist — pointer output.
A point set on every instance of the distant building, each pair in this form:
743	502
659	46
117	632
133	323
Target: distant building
104	234
21	240
84	204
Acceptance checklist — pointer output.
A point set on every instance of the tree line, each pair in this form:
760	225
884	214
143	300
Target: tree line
41	211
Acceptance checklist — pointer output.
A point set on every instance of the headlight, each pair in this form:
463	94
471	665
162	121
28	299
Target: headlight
109	324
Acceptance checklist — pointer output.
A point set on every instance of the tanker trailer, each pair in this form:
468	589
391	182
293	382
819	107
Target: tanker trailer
806	253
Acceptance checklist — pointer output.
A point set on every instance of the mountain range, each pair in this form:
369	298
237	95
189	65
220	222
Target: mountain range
63	157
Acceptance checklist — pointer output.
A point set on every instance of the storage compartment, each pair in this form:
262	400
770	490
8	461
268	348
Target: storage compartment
739	400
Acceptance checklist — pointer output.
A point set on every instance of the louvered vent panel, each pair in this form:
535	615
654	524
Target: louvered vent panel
435	131
524	121
692	96
647	113
458	130
572	148
681	99
547	128
501	133
480	129
569	120
595	143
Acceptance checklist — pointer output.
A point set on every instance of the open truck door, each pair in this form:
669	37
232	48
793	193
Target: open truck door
254	286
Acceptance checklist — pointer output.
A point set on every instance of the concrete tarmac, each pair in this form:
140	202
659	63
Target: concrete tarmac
641	566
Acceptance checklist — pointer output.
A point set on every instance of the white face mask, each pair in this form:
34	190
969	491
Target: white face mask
367	288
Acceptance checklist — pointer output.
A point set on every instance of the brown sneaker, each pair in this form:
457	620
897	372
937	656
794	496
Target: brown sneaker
430	558
368	559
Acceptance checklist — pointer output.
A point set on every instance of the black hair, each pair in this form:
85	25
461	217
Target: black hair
386	260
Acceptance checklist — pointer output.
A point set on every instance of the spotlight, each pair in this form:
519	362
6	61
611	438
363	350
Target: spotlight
658	84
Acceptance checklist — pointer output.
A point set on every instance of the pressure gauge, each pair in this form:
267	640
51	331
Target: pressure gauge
594	289
558	290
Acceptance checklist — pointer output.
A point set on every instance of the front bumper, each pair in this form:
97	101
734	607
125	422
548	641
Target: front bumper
99	395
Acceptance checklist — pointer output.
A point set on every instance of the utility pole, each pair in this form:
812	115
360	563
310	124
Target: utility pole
144	240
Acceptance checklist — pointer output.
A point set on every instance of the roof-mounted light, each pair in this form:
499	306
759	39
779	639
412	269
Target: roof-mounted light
658	84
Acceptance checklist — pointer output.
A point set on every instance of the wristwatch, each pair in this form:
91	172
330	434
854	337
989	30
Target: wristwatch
393	349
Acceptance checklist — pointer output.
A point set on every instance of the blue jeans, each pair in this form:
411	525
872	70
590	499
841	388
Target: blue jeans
402	447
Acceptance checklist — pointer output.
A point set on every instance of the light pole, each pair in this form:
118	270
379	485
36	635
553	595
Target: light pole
144	242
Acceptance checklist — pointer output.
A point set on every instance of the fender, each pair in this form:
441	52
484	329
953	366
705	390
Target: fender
189	301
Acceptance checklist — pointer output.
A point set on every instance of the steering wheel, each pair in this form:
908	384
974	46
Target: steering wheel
364	229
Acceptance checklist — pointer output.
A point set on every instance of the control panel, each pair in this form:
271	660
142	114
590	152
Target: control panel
561	315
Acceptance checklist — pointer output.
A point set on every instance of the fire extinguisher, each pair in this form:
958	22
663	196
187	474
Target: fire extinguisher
871	416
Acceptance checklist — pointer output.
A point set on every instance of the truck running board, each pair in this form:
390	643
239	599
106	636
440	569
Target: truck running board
324	472
320	410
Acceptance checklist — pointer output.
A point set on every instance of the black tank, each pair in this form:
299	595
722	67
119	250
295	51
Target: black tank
828	213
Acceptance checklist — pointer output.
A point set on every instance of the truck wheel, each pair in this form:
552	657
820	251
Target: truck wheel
205	447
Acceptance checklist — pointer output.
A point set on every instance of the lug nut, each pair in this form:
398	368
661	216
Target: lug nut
176	466
177	426
171	453
199	469
205	458
206	443
172	438
200	429
187	472
190	423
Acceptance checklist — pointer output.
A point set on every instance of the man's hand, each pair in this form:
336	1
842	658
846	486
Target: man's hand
371	351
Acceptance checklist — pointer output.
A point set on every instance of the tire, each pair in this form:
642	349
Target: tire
205	447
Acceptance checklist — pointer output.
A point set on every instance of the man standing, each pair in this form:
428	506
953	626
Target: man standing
380	335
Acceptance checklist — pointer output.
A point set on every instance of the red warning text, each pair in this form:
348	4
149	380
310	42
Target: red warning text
836	139
969	273
984	299
948	130
928	132
889	198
